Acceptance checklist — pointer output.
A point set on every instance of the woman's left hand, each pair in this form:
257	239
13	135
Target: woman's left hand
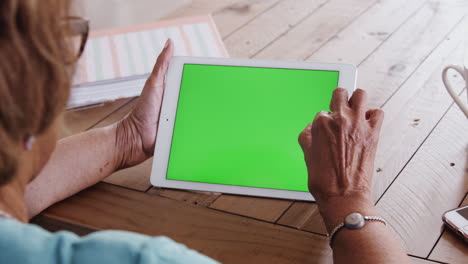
136	133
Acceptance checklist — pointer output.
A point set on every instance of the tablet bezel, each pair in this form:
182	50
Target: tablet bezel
347	80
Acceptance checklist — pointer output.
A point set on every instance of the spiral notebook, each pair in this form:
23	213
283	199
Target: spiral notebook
116	62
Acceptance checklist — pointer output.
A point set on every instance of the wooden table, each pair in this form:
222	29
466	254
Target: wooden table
400	47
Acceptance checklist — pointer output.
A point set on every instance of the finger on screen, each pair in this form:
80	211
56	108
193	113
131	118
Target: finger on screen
358	100
339	99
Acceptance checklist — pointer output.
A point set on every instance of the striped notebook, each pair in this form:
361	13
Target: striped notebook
116	62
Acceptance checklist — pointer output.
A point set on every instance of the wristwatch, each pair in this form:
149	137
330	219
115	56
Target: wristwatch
354	221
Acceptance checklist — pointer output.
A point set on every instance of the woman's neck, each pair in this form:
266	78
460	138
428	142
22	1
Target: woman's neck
12	194
12	200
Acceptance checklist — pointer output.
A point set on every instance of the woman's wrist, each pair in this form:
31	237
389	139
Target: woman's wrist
123	131
128	144
110	135
335	209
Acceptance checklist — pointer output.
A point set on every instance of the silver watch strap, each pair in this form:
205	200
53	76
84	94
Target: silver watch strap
342	225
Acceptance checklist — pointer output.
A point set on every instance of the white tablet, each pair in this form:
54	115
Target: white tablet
232	125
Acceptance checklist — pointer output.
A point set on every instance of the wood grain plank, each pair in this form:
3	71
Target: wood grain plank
270	25
411	115
78	121
193	197
224	237
136	178
241	12
304	216
383	73
55	225
415	109
117	115
323	26
270	209
199	7
434	181
229	15
451	248
421	261
368	32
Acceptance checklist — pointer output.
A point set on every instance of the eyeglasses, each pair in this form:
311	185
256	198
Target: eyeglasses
78	27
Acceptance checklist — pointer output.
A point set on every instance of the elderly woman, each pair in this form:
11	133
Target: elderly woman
36	171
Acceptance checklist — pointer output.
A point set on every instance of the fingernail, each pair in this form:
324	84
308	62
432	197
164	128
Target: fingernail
167	43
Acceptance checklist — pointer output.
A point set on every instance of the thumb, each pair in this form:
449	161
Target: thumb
153	91
158	74
305	138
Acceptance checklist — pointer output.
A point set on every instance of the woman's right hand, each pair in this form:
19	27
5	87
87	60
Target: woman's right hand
339	150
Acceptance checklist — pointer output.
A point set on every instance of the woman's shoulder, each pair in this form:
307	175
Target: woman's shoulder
26	243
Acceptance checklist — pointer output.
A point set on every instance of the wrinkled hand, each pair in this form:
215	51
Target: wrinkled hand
136	133
339	150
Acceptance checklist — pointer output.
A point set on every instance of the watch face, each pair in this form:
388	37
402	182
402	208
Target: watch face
354	221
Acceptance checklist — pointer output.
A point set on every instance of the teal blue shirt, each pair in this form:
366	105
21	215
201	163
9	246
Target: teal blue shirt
26	243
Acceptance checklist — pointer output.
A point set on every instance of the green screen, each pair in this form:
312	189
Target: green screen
240	125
